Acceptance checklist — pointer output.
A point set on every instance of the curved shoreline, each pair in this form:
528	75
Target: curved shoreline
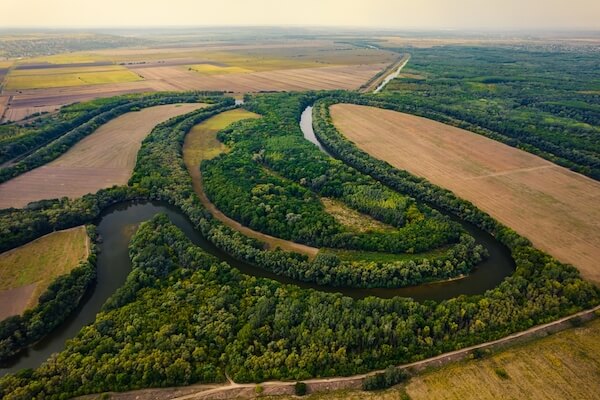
193	167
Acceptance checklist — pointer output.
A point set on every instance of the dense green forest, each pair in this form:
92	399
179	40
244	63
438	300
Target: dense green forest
546	102
271	180
182	317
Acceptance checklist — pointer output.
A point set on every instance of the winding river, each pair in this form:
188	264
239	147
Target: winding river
117	224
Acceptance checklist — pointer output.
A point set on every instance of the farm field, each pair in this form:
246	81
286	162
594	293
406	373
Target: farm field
46	83
167	78
42	78
555	208
27	271
201	144
102	159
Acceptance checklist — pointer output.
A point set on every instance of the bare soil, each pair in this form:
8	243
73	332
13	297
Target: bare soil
100	160
557	209
14	301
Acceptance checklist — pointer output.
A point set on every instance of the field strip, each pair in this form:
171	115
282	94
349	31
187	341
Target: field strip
246	390
100	160
201	144
557	209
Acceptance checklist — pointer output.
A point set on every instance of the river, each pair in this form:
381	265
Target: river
117	224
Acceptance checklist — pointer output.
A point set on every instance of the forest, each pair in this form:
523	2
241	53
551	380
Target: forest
545	102
271	180
184	317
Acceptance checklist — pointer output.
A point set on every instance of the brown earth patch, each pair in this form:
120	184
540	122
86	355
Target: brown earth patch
14	301
100	160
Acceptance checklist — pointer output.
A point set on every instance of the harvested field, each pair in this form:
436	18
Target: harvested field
322	78
39	78
27	271
178	77
200	144
3	107
557	209
562	366
17	114
102	159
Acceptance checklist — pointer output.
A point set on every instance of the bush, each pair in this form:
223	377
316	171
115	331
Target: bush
300	389
382	380
501	372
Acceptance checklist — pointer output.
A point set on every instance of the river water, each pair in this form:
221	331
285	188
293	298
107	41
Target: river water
117	224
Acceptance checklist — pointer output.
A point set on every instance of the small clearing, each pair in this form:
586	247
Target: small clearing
352	219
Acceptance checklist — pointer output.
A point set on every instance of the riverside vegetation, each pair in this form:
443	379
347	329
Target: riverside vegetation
183	317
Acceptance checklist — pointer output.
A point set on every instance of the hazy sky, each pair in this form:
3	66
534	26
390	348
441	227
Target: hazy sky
440	14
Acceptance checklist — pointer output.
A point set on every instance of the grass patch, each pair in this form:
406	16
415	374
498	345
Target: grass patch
68	76
210	69
202	143
43	260
501	372
352	219
355	255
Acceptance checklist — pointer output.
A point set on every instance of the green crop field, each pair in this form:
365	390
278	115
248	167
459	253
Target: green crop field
68	76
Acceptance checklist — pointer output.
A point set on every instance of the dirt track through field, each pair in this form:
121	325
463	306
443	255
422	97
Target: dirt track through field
557	209
100	160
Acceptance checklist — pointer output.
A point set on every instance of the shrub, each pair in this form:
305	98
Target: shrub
501	372
300	388
382	380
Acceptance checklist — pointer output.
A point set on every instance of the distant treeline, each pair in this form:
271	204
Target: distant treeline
545	102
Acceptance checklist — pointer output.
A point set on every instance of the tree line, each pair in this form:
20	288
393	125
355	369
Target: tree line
183	317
